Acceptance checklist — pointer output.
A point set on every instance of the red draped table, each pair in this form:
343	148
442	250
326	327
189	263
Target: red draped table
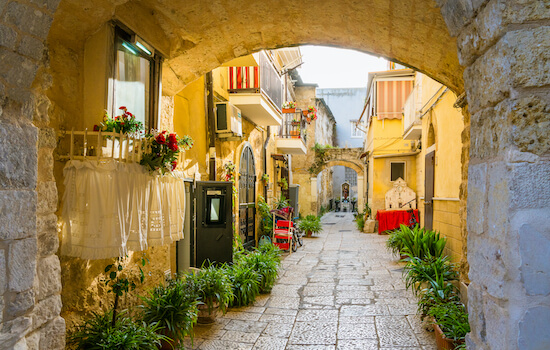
392	219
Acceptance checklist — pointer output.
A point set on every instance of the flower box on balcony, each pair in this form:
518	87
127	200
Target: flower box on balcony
295	123
295	134
289	110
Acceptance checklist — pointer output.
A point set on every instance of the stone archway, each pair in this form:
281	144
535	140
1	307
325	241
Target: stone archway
502	46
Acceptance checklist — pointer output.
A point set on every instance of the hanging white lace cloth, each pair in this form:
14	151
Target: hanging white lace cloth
110	208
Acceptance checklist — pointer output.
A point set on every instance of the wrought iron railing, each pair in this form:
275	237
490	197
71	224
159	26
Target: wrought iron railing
264	78
294	126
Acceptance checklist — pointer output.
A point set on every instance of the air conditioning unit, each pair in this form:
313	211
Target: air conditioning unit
229	122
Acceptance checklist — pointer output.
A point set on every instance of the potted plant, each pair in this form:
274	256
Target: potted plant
295	134
283	184
311	224
418	272
337	204
310	113
289	107
265	179
213	290
266	262
98	332
450	325
173	308
162	149
245	282
295	122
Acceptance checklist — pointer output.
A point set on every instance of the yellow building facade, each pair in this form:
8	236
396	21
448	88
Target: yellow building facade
420	128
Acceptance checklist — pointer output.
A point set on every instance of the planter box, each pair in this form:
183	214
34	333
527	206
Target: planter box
442	342
289	110
294	134
369	226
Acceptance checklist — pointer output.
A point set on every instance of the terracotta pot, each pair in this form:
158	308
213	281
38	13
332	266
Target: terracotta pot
308	234
206	316
442	342
294	134
168	345
289	110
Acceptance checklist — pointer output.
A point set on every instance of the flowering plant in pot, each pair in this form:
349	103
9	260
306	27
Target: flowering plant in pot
125	123
310	113
265	178
162	150
289	107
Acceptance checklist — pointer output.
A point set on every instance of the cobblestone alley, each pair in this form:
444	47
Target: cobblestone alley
341	290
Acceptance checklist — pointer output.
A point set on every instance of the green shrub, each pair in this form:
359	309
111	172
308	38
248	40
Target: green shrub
266	265
421	243
211	285
99	333
394	243
452	318
264	211
310	223
245	282
418	271
172	307
360	222
439	291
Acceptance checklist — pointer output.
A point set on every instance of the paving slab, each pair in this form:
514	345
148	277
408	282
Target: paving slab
341	291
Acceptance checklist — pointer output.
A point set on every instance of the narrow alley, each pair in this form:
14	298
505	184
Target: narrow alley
341	290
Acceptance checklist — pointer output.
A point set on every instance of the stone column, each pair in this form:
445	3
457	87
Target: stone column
506	48
30	303
360	194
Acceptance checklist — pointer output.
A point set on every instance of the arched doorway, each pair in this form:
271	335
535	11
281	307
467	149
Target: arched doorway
247	197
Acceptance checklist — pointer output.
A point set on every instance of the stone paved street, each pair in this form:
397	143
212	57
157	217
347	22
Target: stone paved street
341	290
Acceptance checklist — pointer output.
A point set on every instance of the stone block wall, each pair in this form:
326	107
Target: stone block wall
505	48
30	286
446	219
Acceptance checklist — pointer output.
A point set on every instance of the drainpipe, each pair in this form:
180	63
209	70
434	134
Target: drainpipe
211	122
266	143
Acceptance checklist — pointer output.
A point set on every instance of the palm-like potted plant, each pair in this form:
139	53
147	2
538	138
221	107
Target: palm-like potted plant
245	282
450	324
266	262
173	308
311	225
213	290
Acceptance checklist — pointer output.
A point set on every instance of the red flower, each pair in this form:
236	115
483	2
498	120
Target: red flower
174	165
122	107
173	146
96	127
172	138
117	117
161	140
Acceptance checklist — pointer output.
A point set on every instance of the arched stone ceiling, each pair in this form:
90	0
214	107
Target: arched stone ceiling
198	36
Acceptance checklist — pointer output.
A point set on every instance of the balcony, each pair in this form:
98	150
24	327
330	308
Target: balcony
292	136
257	91
412	125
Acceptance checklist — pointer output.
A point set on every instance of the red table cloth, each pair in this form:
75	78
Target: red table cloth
392	219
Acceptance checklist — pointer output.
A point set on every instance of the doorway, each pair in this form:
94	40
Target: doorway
429	191
247	198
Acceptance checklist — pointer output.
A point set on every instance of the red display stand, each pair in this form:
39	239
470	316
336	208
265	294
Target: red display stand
392	219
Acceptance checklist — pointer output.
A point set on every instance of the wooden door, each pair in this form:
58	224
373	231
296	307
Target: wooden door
429	190
247	198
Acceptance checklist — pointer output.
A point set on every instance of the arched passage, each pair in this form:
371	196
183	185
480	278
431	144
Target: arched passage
505	81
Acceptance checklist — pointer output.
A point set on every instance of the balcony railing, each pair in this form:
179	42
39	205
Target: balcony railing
264	78
294	126
412	125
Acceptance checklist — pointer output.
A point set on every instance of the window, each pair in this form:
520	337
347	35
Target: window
355	131
397	171
136	78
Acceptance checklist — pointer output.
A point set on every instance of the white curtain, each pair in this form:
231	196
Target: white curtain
110	208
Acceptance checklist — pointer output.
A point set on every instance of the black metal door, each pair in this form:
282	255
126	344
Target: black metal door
214	232
247	198
429	191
